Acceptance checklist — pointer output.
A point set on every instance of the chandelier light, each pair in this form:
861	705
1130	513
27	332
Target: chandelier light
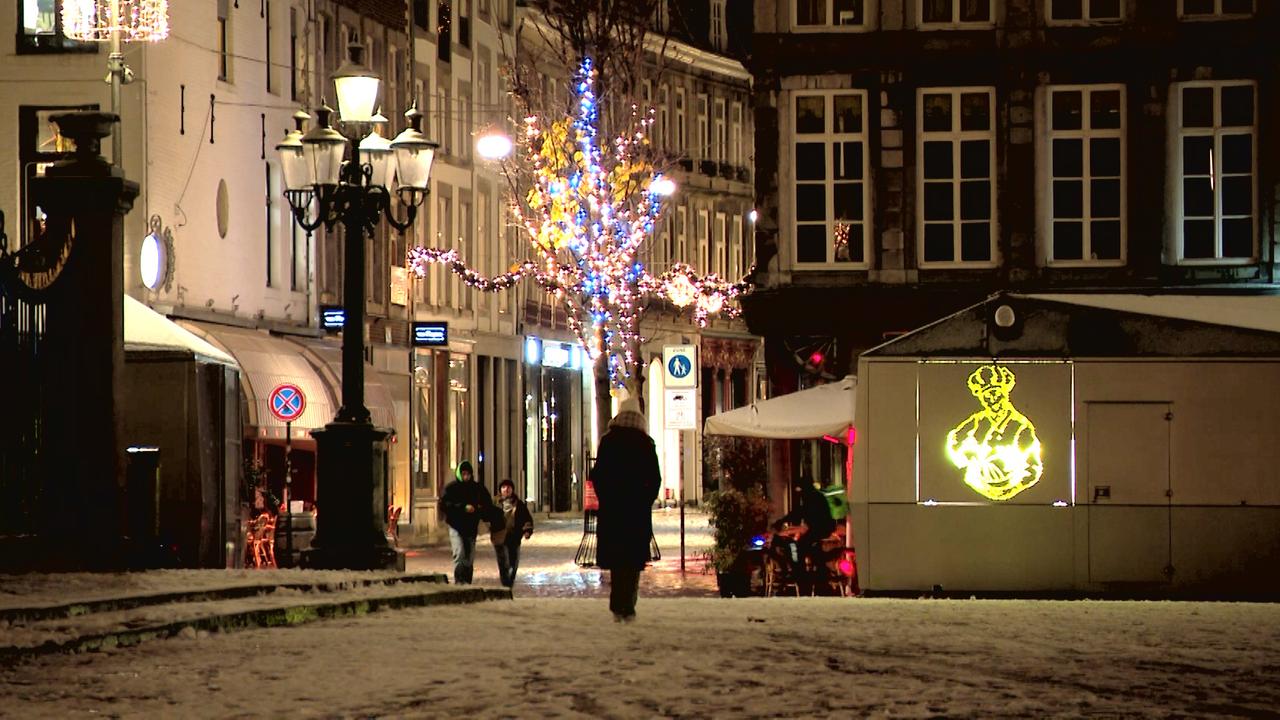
97	20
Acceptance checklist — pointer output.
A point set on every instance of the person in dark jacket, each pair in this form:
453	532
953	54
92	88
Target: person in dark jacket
626	479
513	524
814	514
465	503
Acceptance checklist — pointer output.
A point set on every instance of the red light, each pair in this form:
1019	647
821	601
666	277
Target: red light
846	566
816	357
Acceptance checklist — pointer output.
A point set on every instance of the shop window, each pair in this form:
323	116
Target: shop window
831	189
1083	185
956	182
40	29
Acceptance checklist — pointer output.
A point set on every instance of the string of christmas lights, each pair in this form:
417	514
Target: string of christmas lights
587	213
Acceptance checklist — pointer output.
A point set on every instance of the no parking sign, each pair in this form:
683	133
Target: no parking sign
287	402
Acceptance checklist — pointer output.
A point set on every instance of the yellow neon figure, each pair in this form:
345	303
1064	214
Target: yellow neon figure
997	446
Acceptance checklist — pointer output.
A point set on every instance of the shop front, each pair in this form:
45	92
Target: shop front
559	401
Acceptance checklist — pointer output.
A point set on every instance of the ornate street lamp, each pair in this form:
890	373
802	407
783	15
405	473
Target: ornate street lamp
324	190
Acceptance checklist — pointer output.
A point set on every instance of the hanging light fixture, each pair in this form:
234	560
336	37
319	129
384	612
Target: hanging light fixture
97	20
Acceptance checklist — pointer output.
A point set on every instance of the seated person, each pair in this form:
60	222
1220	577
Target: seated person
811	512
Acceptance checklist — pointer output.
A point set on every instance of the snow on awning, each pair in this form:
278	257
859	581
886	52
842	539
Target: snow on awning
146	329
813	413
1253	312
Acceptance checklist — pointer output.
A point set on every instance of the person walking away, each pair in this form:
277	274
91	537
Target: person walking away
513	525
626	479
465	503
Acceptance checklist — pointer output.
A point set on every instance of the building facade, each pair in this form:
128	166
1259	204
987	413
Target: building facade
915	156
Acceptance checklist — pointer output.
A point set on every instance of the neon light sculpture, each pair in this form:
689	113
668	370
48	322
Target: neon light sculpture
997	446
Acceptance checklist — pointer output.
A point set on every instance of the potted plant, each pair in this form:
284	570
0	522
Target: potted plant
736	517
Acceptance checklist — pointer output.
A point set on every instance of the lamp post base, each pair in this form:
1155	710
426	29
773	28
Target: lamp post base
351	500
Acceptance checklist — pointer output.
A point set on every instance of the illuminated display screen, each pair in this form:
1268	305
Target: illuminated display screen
997	446
430	333
332	317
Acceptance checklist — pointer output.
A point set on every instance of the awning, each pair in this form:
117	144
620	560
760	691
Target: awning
147	330
267	361
813	413
377	396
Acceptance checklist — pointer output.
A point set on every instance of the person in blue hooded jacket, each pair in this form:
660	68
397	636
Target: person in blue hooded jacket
465	503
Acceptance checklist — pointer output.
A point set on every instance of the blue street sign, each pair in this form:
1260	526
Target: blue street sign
680	366
430	333
287	402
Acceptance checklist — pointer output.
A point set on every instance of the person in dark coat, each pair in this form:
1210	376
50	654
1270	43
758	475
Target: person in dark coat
513	523
814	514
626	479
465	503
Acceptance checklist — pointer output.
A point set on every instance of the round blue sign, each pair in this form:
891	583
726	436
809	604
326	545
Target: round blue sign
679	366
287	402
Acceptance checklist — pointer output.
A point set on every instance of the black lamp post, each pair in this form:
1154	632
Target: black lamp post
324	190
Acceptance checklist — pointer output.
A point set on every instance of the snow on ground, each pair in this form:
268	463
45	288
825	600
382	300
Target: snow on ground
694	657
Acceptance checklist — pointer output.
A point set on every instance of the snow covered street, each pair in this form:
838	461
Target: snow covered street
693	657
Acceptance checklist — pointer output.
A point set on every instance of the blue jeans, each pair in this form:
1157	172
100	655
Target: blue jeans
508	561
464	555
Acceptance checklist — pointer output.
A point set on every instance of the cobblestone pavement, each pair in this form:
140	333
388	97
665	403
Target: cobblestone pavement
547	567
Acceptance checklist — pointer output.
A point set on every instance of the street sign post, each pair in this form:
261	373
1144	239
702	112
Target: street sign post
680	365
287	401
681	410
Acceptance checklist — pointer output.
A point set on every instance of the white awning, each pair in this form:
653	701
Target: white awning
146	329
813	413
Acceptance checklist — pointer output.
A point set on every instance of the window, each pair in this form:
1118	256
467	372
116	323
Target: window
297	57
422	14
720	246
1214	167
720	150
223	42
955	13
703	120
717	24
956	188
681	253
444	31
681	146
1082	11
736	242
40	23
392	107
466	248
829	14
704	242
1083	152
1214	9
464	23
735	134
661	19
662	120
831	188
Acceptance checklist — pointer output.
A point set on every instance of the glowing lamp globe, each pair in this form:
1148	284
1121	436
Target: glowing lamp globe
414	153
357	87
323	147
377	150
293	157
663	186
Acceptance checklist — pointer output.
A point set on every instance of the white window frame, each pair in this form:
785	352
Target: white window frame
678	136
719	131
955	23
869	8
1217	13
702	235
702	111
735	134
1174	166
662	120
718	32
736	241
1045	173
828	139
720	245
661	16
1084	18
682	235
956	136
